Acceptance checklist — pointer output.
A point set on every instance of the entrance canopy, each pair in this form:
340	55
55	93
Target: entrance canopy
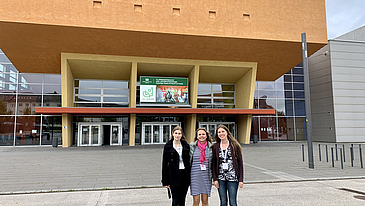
160	111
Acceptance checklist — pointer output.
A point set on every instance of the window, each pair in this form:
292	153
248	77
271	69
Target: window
101	93
216	96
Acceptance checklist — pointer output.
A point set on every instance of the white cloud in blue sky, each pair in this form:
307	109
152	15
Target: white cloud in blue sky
344	16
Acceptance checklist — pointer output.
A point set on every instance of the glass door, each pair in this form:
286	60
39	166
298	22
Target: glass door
211	127
115	134
156	132
89	135
85	133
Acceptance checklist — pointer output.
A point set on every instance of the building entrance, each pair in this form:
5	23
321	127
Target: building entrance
211	127
97	134
157	132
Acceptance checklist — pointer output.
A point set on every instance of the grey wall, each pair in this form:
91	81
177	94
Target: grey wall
320	83
348	81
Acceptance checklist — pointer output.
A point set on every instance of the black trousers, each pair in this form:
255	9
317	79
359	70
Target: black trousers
179	191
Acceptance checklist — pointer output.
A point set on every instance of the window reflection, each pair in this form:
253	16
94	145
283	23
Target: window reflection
28	103
6	129
27	130
51	128
7	104
268	128
52	101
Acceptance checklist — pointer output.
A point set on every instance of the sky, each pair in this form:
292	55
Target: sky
344	16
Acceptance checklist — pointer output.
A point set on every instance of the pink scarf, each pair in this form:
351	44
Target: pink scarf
202	148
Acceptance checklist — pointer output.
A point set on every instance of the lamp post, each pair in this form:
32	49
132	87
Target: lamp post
307	101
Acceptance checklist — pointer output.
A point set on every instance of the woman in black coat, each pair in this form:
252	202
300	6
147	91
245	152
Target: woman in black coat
176	166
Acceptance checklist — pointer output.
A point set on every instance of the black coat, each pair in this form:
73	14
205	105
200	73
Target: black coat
170	164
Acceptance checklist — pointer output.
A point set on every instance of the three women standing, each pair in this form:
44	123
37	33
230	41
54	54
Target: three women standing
222	162
176	166
227	166
201	171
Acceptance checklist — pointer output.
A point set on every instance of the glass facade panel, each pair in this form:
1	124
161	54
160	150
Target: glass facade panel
30	88
300	128
288	86
115	92
299	107
266	86
52	79
298	78
87	99
89	83
115	99
297	70
30	78
223	94
88	91
6	129
4	59
28	103
115	84
299	94
298	86
7	104
52	89
8	88
27	130
268	128
267	94
289	105
52	101
287	78
51	128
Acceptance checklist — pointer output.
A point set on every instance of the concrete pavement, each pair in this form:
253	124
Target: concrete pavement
254	194
45	169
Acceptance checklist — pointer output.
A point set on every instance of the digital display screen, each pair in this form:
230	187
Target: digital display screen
164	90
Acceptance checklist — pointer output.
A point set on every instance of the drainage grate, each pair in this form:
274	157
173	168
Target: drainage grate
361	196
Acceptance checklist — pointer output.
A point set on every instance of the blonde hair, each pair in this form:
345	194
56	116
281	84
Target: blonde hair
235	145
182	133
209	138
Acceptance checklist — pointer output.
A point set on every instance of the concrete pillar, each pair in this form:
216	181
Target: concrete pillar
132	130
244	91
66	130
133	86
193	86
67	82
190	125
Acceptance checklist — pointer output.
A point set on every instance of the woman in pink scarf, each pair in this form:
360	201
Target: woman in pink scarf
201	173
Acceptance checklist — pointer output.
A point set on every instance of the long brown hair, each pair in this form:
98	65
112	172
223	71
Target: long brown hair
209	138
235	145
182	133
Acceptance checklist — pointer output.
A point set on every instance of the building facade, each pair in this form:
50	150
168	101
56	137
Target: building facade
336	76
103	49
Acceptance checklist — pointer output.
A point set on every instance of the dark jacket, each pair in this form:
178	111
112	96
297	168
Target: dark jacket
170	163
237	163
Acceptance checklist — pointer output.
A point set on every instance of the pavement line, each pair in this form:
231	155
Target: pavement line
280	175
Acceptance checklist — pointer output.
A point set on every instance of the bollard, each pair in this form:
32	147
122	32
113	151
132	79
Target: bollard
344	159
341	158
336	152
303	151
255	139
352	156
319	151
326	153
360	156
352	146
333	160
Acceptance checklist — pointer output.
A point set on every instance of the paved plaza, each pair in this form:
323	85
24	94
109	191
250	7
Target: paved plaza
111	171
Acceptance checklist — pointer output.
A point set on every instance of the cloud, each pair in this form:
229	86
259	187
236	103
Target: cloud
344	16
